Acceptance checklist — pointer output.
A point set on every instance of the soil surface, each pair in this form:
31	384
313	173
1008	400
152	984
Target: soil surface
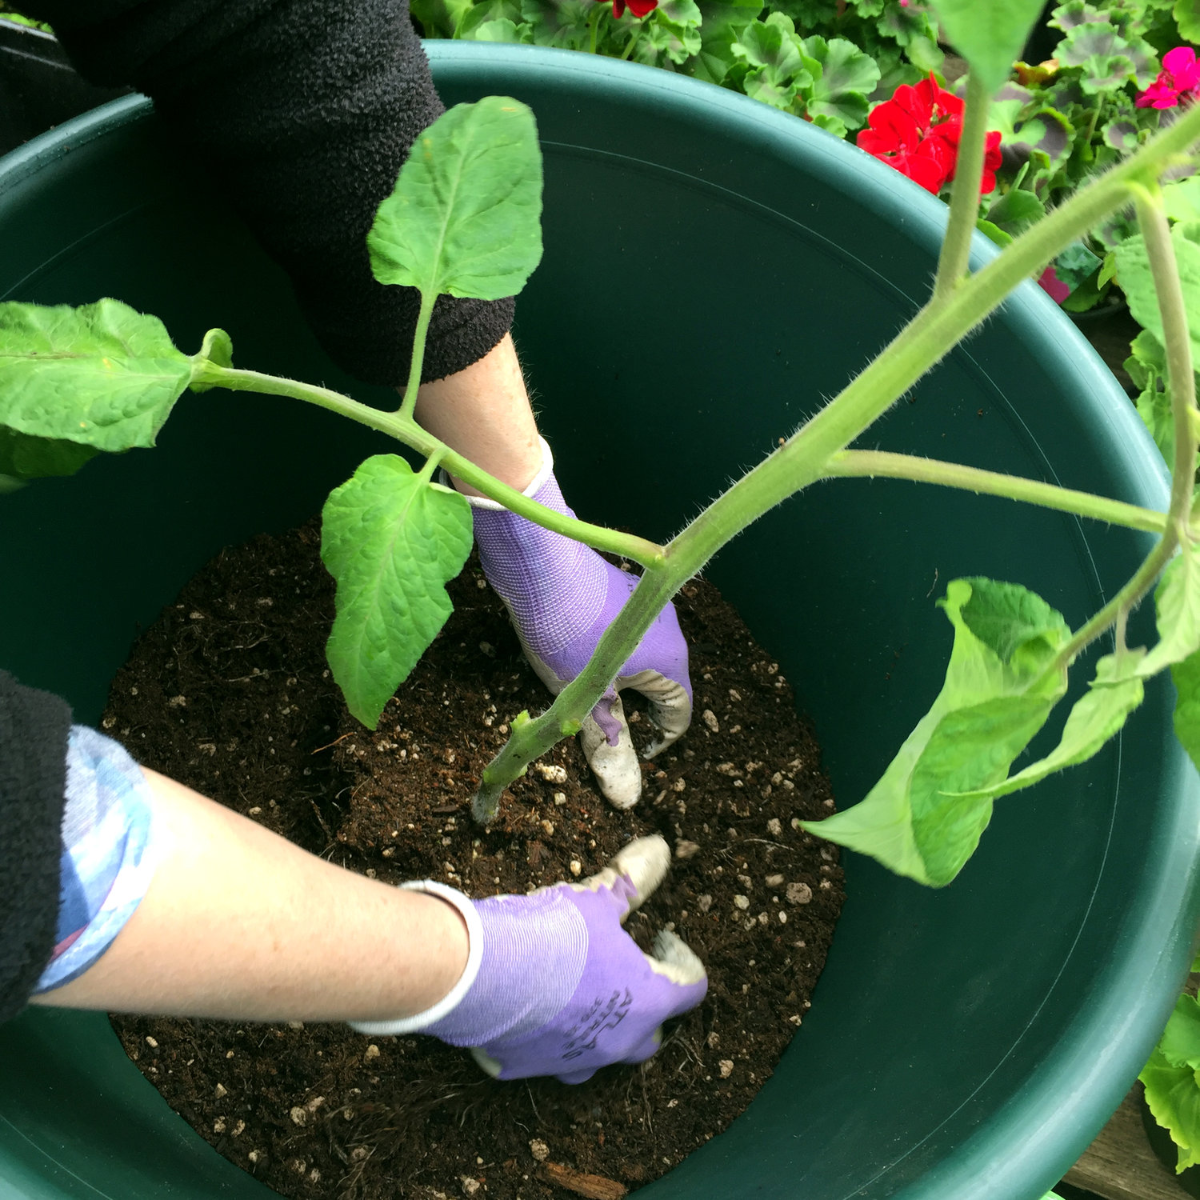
229	692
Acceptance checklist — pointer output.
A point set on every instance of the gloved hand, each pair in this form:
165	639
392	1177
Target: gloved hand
561	596
553	985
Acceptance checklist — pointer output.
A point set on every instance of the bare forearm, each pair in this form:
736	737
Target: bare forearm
484	414
240	923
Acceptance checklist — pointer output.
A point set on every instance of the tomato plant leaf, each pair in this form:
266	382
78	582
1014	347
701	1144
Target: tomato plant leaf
465	216
999	689
23	457
1186	677
989	36
1173	1098
391	540
1096	716
103	375
1177	613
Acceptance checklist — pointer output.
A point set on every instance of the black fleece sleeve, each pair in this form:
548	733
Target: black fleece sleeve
33	778
303	112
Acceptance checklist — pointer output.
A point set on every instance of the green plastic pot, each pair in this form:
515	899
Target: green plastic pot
712	270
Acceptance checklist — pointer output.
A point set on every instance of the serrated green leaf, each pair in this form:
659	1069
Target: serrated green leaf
1185	676
465	216
1181	200
1137	282
1180	1042
1174	1101
499	30
23	457
681	12
1096	716
1147	367
561	23
843	80
767	45
1177	613
1016	210
1121	135
994	232
1076	264
391	540
103	374
1108	269
989	36
999	689
1186	14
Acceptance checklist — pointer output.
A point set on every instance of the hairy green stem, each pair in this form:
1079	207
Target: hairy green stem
964	198
803	459
408	404
405	429
1182	384
531	739
849	464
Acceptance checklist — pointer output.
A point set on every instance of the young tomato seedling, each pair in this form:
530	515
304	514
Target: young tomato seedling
463	220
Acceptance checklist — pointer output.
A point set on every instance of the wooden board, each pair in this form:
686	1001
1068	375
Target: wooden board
1120	1165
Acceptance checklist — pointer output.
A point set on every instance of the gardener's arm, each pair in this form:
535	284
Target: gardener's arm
239	923
169	903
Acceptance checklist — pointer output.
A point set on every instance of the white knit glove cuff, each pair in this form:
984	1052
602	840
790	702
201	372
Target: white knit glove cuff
454	996
544	473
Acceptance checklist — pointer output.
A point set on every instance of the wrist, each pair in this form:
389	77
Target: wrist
542	474
462	943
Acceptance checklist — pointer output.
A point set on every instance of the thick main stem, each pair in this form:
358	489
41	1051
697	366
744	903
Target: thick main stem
936	329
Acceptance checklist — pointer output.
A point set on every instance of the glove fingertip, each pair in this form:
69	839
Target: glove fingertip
576	1077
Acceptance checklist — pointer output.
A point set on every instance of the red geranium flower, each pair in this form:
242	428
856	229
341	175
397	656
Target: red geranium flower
639	8
917	131
1178	81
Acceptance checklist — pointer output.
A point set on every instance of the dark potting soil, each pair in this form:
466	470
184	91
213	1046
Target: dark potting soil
229	693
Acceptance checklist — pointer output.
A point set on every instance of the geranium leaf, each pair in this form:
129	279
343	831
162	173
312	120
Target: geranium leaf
989	36
1096	716
846	77
1173	1098
561	23
1180	1042
1187	18
999	689
1181	200
1016	210
721	26
1137	282
765	44
103	374
465	216
391	540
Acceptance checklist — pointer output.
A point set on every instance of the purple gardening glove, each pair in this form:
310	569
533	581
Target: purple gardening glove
561	596
553	985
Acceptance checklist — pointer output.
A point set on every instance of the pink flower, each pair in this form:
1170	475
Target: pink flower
1053	286
1178	81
